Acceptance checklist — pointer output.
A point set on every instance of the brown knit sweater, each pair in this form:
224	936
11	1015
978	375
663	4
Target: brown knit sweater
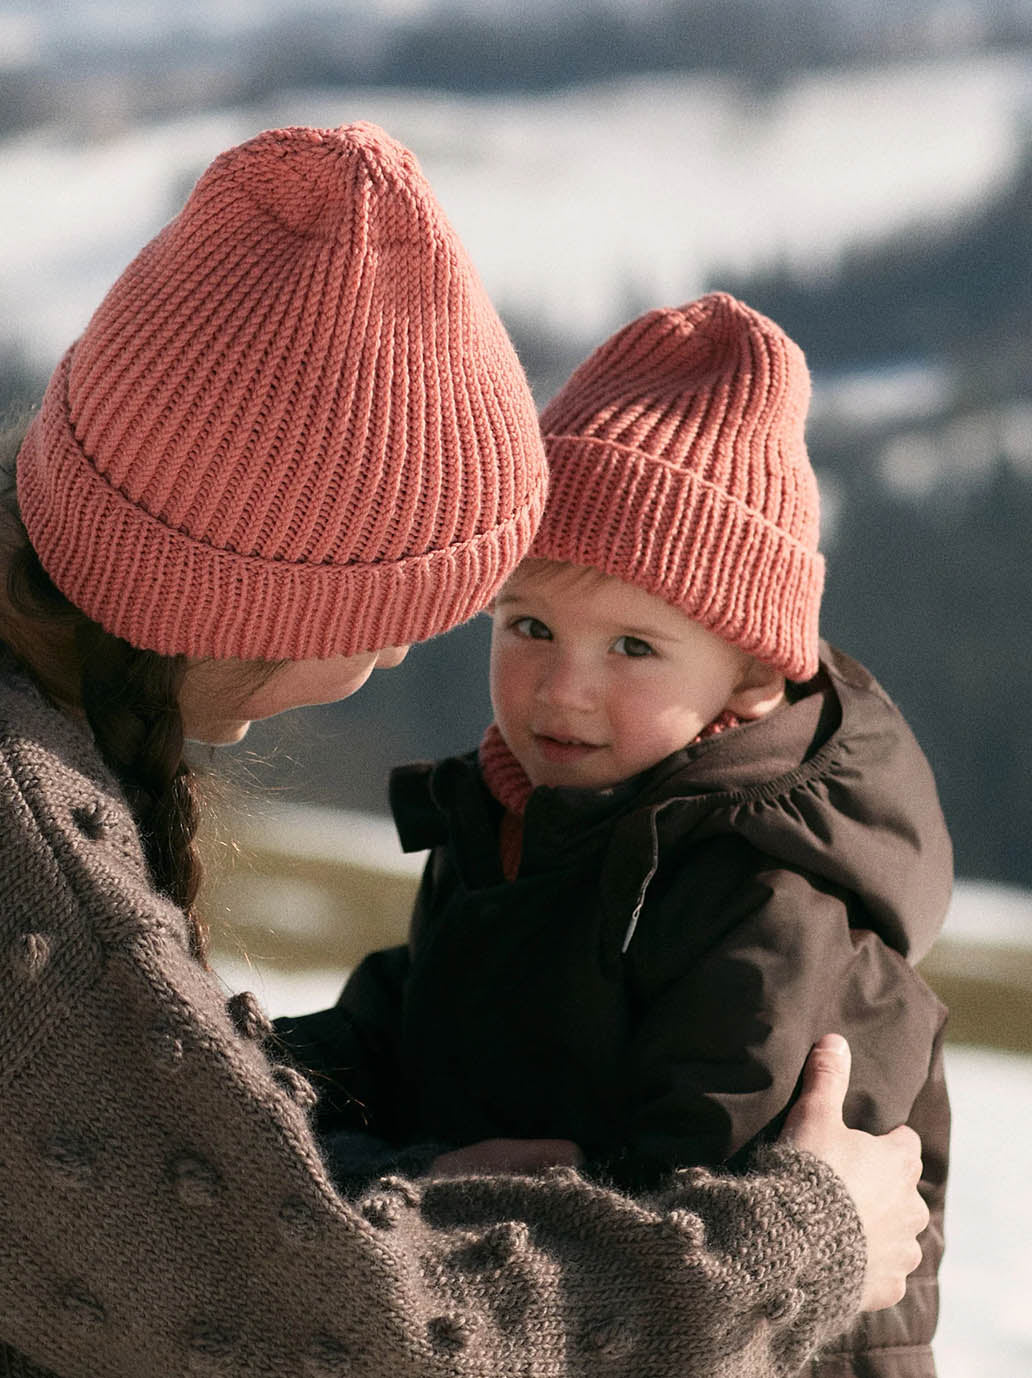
164	1209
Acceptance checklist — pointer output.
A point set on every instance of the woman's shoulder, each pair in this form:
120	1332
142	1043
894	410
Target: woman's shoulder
33	728
69	849
50	765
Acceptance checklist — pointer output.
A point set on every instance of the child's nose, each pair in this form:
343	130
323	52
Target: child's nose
566	684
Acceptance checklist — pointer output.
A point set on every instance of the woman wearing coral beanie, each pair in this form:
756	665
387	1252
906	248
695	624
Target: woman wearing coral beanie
293	439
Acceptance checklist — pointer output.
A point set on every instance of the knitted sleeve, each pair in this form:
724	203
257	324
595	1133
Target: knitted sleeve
164	1208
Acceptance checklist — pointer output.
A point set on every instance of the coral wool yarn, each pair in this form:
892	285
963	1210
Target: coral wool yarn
678	463
295	426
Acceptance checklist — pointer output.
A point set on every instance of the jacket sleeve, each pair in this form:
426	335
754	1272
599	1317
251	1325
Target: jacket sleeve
724	1027
352	1051
164	1207
728	1004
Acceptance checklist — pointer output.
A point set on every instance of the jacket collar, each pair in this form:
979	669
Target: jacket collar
434	802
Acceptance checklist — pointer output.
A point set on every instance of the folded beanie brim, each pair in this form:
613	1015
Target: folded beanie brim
159	587
688	542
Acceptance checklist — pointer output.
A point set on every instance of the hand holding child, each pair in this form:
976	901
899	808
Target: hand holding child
881	1173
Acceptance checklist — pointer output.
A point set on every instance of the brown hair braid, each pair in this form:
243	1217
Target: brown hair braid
129	697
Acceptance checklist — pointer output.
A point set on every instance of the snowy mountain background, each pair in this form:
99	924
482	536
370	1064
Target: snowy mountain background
574	204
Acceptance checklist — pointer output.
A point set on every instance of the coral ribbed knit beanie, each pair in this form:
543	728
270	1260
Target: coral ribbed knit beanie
678	463
295	426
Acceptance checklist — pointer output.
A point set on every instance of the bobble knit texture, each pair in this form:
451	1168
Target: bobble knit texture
678	463
295	426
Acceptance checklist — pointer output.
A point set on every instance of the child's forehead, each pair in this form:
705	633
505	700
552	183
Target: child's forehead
583	587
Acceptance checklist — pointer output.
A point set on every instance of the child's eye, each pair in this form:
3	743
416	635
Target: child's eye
531	628
632	646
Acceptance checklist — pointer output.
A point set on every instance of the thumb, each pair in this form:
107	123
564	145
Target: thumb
825	1083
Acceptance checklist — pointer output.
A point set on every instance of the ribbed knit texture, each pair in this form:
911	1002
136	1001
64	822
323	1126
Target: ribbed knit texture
295	426
504	777
678	463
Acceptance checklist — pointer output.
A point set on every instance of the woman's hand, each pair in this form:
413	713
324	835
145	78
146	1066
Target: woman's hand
507	1155
880	1172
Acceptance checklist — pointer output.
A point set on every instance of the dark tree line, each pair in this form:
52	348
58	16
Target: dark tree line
961	293
935	596
82	76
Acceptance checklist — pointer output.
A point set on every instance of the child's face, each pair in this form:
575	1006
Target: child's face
594	680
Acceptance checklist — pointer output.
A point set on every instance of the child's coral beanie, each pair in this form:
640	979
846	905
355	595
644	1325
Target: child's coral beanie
678	463
295	426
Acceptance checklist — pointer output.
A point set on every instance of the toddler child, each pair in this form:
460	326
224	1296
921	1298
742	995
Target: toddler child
694	839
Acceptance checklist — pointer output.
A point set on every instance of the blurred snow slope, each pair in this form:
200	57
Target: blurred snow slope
576	207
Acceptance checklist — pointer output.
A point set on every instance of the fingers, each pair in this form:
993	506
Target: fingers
909	1146
825	1083
559	1153
881	1173
894	1215
826	1073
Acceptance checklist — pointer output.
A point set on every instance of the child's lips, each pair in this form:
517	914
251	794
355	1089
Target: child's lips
562	750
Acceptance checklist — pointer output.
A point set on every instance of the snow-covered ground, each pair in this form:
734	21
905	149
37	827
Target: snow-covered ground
573	205
986	1325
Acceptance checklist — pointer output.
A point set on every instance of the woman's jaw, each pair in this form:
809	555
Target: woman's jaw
221	698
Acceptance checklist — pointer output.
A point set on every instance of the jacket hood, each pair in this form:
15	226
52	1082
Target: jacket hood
833	784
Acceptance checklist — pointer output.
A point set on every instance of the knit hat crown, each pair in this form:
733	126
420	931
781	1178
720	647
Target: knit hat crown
295	427
678	463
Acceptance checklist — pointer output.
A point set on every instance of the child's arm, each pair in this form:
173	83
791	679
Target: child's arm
723	1024
721	1032
351	1050
507	1155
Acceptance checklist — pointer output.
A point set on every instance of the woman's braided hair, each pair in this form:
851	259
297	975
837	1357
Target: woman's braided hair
130	698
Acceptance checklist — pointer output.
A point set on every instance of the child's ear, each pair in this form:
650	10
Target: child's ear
760	689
